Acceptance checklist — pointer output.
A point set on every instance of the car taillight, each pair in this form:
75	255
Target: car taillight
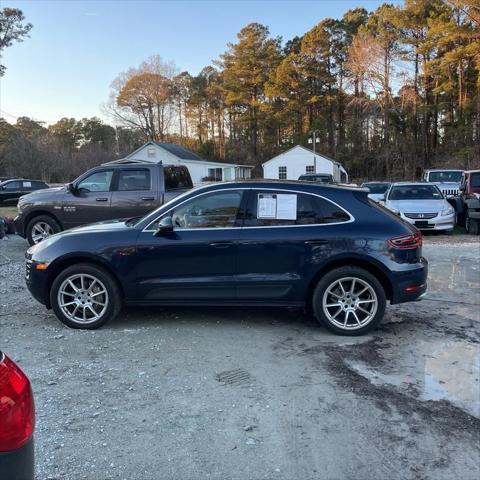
17	408
406	241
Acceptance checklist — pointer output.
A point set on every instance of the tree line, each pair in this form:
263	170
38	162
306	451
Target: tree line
388	93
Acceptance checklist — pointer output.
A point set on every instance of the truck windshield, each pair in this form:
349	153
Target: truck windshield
415	192
445	176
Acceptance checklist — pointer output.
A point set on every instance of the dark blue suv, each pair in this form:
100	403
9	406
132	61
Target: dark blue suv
326	248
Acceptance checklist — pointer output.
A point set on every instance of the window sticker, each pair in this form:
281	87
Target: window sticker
27	184
266	205
286	207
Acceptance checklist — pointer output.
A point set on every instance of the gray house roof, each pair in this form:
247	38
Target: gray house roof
180	152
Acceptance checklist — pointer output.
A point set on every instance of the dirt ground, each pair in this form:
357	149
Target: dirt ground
250	393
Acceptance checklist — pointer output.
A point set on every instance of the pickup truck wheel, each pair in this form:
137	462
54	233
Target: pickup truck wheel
85	296
40	228
349	301
472	226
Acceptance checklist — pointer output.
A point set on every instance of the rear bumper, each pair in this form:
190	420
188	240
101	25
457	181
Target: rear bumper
18	464
411	285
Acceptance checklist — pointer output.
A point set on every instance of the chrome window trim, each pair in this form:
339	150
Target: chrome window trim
352	218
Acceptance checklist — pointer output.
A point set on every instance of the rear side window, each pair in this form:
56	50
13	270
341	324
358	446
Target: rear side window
39	185
176	177
134	180
283	208
475	180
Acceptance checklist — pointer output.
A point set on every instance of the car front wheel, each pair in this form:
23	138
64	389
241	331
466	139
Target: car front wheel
85	296
40	228
349	301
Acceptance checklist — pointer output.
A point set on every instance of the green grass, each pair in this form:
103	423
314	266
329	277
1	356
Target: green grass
8	212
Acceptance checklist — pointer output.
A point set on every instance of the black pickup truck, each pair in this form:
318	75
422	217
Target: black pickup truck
110	191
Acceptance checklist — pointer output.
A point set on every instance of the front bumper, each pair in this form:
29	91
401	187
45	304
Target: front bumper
19	223
410	285
37	282
440	222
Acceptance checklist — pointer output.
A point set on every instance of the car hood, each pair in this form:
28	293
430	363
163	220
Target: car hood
418	206
42	194
108	225
447	184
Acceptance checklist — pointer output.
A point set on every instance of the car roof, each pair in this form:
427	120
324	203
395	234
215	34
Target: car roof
376	183
267	183
472	171
444	170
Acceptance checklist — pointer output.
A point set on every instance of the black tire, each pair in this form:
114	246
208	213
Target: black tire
365	278
41	219
113	300
472	226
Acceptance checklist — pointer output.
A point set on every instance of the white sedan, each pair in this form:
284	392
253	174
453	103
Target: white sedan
421	204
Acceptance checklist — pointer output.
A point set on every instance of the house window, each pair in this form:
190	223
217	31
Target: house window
151	152
310	169
215	174
282	173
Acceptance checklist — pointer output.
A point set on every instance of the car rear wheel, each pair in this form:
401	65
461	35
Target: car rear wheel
40	228
85	296
349	301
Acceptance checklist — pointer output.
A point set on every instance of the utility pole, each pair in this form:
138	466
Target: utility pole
313	140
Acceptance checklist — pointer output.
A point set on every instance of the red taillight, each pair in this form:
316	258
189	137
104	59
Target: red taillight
17	409
407	241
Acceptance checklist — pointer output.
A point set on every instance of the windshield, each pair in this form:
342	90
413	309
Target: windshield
415	192
153	215
445	176
378	188
317	178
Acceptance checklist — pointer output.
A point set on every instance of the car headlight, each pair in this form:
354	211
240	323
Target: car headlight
448	211
22	205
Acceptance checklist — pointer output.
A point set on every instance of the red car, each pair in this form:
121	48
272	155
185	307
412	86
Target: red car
17	423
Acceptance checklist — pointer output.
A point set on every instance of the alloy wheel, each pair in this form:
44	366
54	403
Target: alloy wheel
350	303
82	298
40	231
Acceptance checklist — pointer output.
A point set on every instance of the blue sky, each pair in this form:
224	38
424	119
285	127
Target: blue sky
77	48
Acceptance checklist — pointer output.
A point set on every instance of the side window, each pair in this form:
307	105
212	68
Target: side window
282	173
215	210
176	177
39	185
27	184
285	208
134	180
97	182
12	186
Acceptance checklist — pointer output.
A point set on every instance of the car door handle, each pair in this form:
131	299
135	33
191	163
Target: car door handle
148	199
102	199
316	242
221	244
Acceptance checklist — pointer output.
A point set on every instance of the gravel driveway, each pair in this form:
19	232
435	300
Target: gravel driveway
250	393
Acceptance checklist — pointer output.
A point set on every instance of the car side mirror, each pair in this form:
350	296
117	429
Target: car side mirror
382	198
165	225
71	188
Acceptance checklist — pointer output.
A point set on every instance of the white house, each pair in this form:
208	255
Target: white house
299	160
200	170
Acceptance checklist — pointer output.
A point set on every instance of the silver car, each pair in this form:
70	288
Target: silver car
421	204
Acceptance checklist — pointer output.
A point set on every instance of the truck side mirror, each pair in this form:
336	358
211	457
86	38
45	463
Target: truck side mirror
463	187
71	188
165	225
